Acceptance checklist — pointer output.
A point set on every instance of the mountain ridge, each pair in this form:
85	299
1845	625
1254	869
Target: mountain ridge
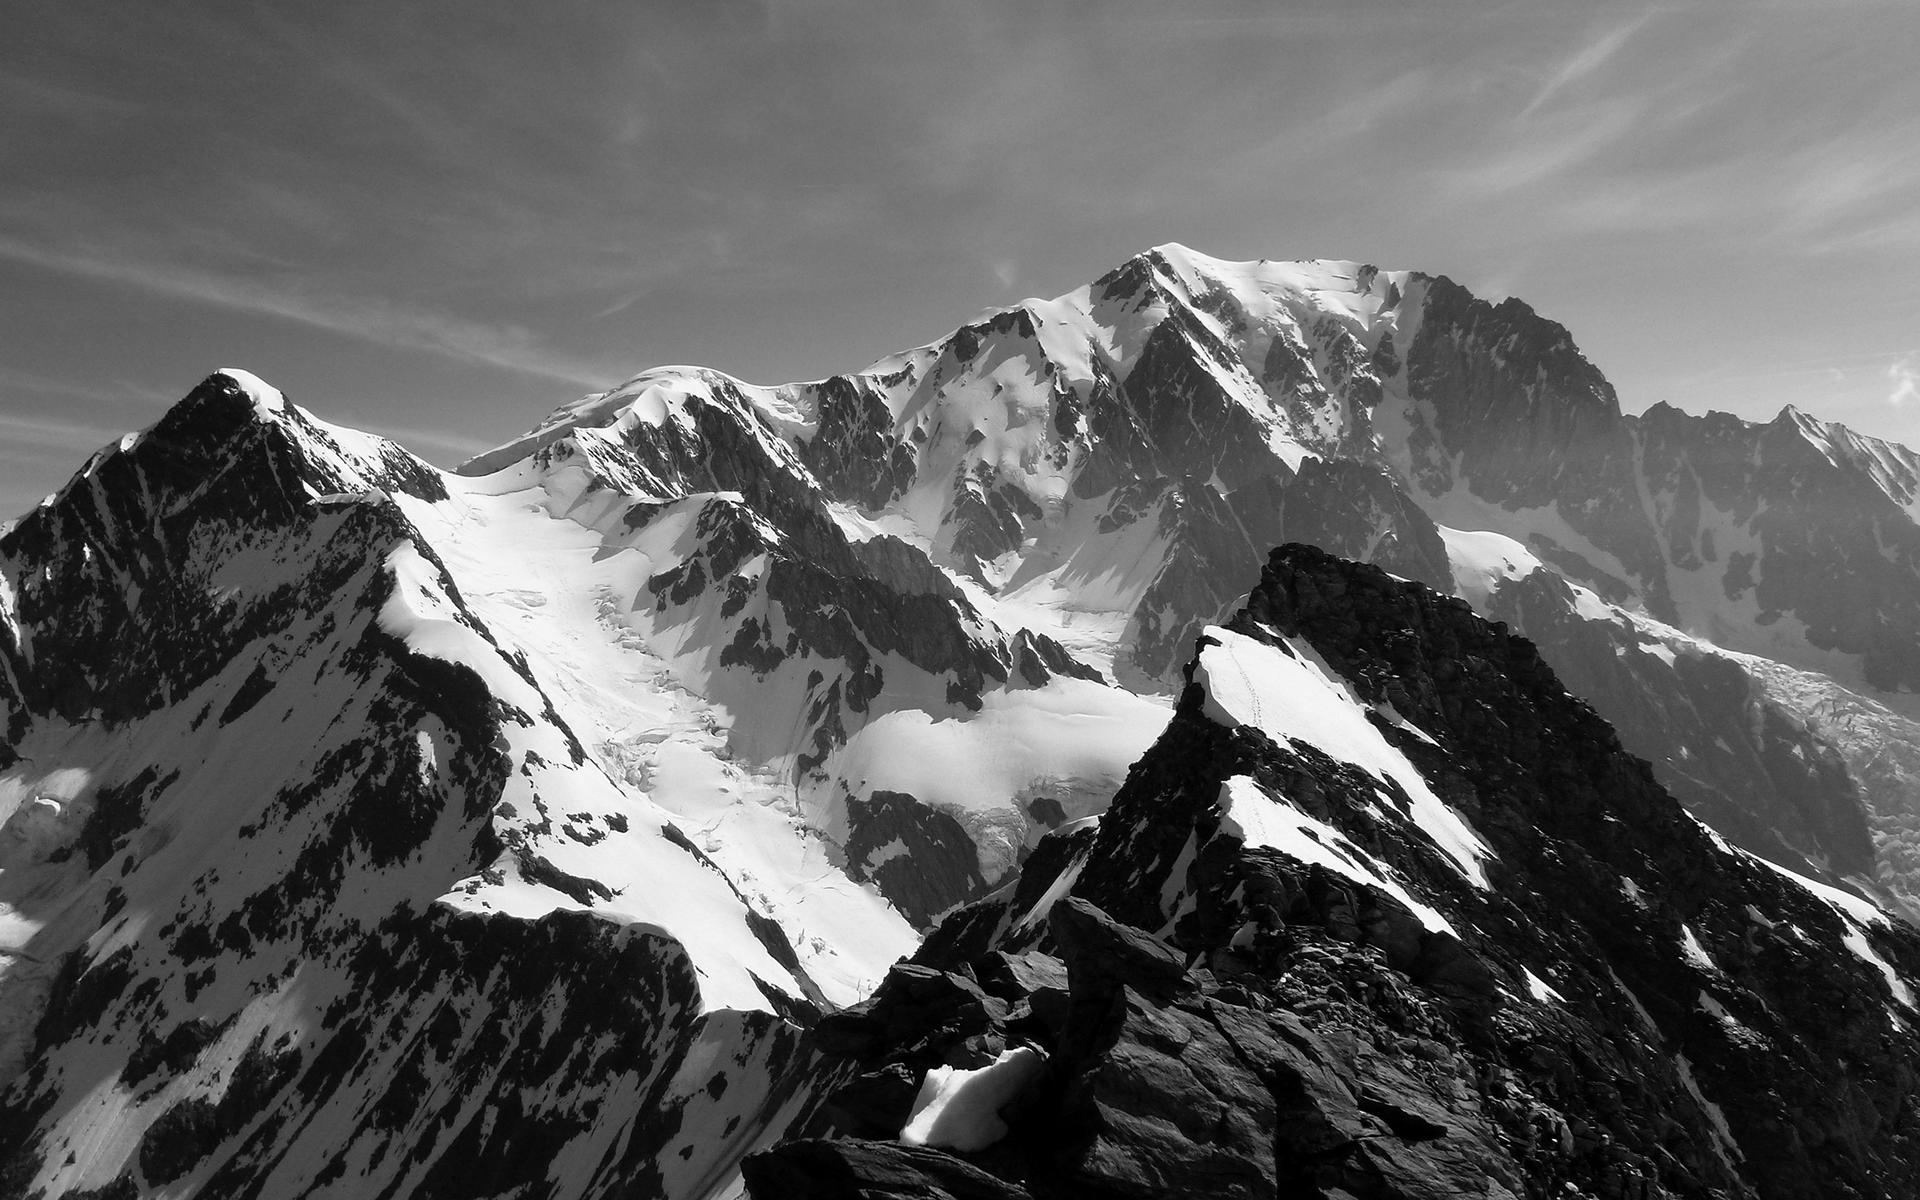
1234	990
1343	370
741	688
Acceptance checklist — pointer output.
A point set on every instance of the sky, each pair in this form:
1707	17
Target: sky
440	221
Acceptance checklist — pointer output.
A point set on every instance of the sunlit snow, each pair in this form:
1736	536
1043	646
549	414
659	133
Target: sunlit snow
958	1109
1287	693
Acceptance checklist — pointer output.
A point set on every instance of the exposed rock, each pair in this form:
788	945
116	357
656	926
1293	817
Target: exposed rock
1626	1007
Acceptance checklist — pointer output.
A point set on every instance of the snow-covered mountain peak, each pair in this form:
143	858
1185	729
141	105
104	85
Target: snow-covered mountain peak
1365	297
1891	467
572	785
266	398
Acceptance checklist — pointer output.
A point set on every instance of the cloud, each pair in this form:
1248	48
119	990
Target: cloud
1905	377
1585	62
119	393
53	434
1542	157
368	319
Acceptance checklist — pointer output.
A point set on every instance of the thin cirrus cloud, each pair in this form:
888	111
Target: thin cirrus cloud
1543	156
52	433
365	318
1905	377
118	393
1585	63
29	438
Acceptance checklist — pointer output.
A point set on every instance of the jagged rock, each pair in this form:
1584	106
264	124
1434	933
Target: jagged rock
1102	954
1368	1021
1013	975
873	1104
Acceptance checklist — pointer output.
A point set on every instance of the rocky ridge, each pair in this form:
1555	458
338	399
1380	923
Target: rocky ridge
1262	974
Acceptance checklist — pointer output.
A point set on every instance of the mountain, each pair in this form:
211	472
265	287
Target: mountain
1099	468
1384	913
310	889
343	800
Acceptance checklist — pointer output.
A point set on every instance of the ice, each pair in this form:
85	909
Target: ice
421	614
1072	740
1505	534
548	590
958	1109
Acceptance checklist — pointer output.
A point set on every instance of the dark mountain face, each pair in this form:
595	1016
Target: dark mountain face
1263	976
1739	760
366	829
1515	416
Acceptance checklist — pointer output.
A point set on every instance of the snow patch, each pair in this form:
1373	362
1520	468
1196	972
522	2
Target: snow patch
1250	814
267	400
958	1109
1728	1149
1289	693
1693	951
422	614
1483	560
1859	915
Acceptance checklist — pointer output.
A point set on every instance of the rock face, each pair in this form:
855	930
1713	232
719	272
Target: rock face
1711	724
1281	966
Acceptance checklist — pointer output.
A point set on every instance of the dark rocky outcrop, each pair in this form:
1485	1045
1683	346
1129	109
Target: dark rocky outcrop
1627	1008
1532	424
922	859
1737	759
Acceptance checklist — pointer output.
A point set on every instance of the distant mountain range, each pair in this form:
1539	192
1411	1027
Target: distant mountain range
372	830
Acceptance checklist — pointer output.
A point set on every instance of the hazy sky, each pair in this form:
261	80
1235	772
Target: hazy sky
441	220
